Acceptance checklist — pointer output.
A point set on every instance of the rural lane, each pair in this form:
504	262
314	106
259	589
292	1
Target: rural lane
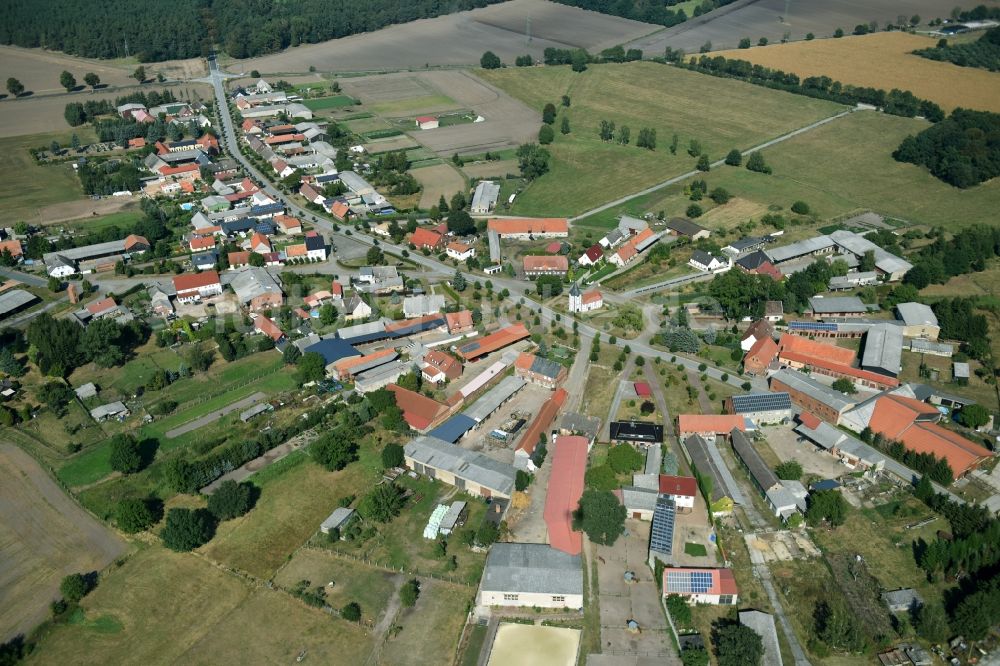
212	417
717	163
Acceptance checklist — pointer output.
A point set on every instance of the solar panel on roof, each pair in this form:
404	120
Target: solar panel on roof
812	326
761	402
661	535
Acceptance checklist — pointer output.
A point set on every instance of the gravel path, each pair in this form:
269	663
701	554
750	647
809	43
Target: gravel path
212	417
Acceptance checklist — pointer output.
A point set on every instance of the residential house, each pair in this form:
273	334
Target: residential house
257	290
538	370
681	489
919	321
639	503
159	301
192	287
356	308
425	239
259	243
531	575
774	311
205	261
315	246
756	332
760	356
439	367
268	328
528	228
634	246
593	255
460	322
427	122
13	247
238	260
288	225
418	306
460	251
709	263
716	587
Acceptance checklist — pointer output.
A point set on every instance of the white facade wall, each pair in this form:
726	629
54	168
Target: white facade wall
529	599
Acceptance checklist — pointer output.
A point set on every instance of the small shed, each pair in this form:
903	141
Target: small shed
454	518
256	410
643	390
88	390
902	600
109	411
340	517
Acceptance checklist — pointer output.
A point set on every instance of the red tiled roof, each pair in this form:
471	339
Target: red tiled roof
895	413
207	231
591	296
12	246
239	258
418	410
553	247
137	143
723	581
296	250
259	239
770	270
189	281
449	365
458	321
177	170
539	263
287	222
760	355
626	252
839	368
202	242
134	239
336	288
807	347
493	341
340	209
569	463
642	389
344	366
268	328
425	238
683	486
100	306
425	119
761	328
721	424
459	247
594	252
549	225
809	420
961	454
541	423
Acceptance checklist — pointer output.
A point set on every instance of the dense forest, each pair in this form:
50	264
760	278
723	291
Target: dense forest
983	53
649	12
963	150
156	31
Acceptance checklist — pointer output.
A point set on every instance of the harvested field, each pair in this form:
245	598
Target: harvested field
44	535
499	28
33	115
735	211
507	123
883	60
766	18
585	172
402	142
436	620
438	180
164	608
497	169
39	69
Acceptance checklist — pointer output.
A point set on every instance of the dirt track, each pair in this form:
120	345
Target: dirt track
458	39
44	535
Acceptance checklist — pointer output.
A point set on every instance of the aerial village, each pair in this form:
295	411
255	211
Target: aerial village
493	337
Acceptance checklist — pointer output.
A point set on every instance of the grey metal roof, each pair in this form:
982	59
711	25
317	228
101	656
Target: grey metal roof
469	465
496	396
109	409
631	225
916	314
921	345
485	196
883	349
654	460
761	473
799	249
415	306
581	423
858	245
337	519
380	376
453	515
545	367
532	568
253	282
684	226
642	245
701	459
88	251
834	304
801	382
762	624
355	183
746	243
14	299
852	279
637	498
960	370
494	241
904	599
359	330
88	390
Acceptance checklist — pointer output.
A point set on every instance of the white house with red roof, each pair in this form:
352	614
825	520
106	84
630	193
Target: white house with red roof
593	254
427	122
192	287
681	489
584	301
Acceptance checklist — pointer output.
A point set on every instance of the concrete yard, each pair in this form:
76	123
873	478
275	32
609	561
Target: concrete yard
784	442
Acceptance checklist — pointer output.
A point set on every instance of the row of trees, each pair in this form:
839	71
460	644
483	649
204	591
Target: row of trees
895	102
647	12
983	53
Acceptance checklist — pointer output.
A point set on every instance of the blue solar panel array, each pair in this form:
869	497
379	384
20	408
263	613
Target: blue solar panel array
661	535
689	582
761	402
811	326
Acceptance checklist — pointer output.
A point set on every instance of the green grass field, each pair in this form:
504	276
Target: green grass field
28	186
436	620
324	103
412	105
856	171
585	172
124	219
695	549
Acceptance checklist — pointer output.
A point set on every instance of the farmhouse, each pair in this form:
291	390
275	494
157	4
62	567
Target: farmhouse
709	263
586	301
484	199
467	470
634	246
593	255
701	586
13	247
192	287
761	408
460	322
757	331
531	575
545	265
419	411
418	306
257	290
426	239
529	228
760	356
541	371
439	367
569	462
681	489
460	251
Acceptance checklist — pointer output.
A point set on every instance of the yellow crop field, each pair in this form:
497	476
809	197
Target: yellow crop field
882	60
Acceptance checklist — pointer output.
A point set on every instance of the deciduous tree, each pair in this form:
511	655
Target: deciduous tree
600	515
187	529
